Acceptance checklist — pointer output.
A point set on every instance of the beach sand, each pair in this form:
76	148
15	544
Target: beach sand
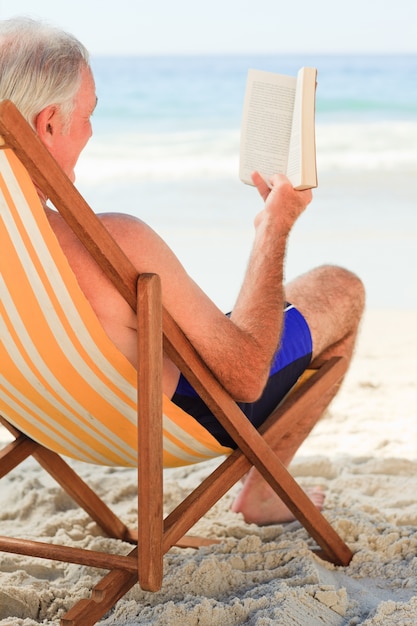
363	453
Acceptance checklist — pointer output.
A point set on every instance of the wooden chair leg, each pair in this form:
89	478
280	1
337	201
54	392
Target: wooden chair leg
103	597
150	460
15	453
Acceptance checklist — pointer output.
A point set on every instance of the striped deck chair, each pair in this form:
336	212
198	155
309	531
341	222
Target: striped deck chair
65	389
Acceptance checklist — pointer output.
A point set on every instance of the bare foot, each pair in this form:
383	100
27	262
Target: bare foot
262	506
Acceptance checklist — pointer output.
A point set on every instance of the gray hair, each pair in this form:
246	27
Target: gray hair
40	65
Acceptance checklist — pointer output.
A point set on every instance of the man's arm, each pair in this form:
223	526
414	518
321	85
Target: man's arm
237	350
259	306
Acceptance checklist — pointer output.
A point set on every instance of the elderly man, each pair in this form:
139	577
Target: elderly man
260	349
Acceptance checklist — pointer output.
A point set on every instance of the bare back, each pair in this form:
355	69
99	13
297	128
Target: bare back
114	314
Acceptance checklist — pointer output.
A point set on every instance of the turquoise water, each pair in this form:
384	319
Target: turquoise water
171	93
165	148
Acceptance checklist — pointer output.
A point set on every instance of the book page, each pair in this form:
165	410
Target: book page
266	123
294	155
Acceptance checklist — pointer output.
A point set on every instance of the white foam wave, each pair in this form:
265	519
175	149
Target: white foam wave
214	154
147	157
368	146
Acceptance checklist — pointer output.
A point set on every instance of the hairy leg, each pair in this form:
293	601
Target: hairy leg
332	301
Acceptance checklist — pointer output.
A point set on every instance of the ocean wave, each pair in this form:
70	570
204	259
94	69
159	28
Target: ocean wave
214	154
369	145
152	156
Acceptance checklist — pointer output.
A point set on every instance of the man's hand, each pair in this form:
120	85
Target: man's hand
283	203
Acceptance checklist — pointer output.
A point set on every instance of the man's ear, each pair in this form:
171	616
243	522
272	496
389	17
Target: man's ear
46	124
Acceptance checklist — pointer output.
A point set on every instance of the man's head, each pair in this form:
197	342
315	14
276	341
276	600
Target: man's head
39	65
46	73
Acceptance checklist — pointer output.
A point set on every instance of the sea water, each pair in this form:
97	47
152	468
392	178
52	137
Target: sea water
165	148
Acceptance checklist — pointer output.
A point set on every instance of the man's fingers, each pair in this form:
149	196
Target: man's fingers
261	185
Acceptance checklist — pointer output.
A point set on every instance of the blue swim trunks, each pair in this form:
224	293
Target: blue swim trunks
290	361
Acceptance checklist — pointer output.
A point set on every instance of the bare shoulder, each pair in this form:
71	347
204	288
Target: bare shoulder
137	239
130	232
144	247
122	224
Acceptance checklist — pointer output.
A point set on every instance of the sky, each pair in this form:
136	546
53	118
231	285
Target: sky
148	27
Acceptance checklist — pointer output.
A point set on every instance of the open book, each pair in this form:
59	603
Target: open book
278	127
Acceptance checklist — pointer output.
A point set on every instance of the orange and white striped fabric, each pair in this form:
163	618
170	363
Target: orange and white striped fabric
62	381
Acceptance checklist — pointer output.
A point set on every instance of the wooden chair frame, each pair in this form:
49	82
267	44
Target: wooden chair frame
157	332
